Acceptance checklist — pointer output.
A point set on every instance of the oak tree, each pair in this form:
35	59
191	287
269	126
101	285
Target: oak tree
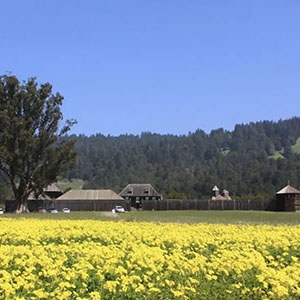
32	150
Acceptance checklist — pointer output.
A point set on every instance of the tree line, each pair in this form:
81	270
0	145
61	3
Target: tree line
253	160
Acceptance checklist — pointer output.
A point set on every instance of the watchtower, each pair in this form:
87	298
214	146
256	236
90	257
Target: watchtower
288	199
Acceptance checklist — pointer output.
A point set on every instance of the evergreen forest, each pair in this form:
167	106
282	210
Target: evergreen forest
254	160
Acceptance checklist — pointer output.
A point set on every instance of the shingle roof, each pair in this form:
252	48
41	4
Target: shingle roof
288	190
90	195
138	190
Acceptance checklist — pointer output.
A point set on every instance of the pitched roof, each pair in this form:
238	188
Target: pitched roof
52	188
288	190
90	195
47	193
139	190
40	197
215	188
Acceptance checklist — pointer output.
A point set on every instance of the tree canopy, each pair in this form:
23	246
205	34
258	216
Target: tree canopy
253	160
31	154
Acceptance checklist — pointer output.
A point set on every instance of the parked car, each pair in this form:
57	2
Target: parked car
66	210
53	211
119	209
1	211
41	210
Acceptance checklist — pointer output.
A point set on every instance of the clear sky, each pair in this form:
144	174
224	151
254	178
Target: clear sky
165	66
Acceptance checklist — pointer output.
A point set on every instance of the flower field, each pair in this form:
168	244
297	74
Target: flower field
50	259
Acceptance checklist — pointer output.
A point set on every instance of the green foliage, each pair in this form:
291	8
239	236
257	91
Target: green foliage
6	192
189	166
31	156
74	184
296	147
278	155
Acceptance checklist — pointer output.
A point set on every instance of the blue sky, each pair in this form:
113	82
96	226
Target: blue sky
158	65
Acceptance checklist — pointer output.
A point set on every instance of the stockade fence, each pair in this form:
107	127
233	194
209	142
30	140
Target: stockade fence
196	204
165	204
73	205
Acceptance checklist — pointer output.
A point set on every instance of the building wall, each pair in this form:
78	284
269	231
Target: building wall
288	202
292	203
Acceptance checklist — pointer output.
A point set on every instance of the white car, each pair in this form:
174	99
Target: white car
66	210
54	211
1	211
119	209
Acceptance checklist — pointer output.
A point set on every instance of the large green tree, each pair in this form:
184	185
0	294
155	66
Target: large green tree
32	152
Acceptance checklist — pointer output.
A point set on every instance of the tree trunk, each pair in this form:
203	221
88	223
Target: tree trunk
22	197
22	207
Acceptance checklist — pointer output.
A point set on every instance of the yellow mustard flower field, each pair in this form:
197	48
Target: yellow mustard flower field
50	259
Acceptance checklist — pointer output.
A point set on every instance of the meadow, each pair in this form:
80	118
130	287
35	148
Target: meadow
179	216
92	259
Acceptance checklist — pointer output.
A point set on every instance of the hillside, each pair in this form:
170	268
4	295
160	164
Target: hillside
296	147
254	159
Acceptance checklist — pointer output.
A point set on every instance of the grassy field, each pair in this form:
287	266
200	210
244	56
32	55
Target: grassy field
277	155
296	147
188	216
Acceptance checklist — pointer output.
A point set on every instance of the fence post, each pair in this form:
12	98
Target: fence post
233	204
222	204
248	204
208	204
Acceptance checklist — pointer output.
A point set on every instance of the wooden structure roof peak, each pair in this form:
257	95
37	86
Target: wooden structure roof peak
215	188
288	190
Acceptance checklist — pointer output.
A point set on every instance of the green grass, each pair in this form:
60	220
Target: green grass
296	147
185	216
277	155
74	215
74	184
224	217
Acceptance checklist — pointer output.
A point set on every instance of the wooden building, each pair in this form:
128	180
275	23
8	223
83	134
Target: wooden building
52	191
217	196
90	200
288	199
137	193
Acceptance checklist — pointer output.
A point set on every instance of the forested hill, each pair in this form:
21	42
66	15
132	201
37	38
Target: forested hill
256	159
